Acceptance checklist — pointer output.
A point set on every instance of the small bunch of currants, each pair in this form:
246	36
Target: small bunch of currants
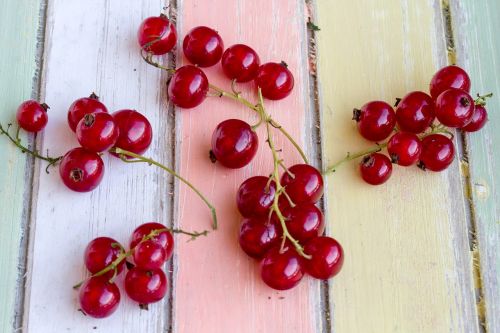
415	136
151	245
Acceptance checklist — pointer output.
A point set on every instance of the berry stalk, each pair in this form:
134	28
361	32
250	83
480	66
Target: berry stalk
141	159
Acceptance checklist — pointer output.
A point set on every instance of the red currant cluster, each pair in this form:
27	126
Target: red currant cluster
151	245
282	227
418	139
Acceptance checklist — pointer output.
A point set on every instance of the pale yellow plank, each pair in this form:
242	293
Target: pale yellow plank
407	266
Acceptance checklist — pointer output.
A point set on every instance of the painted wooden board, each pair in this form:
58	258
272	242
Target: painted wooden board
17	72
476	25
407	265
215	279
91	46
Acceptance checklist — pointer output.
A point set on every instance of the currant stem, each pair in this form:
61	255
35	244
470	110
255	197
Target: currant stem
279	189
379	147
140	158
17	141
125	254
481	99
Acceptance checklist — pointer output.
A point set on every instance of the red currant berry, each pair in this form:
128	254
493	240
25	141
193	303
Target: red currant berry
234	143
100	253
437	154
97	132
479	119
404	148
454	108
164	238
257	236
135	133
188	87
304	221
375	168
32	116
376	120
81	170
327	257
275	80
81	107
149	255
146	286
240	62
449	77
303	183
157	35
281	270
203	46
98	297
415	112
255	196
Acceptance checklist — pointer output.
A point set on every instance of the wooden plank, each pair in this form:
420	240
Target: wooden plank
17	70
476	25
215	279
91	46
407	265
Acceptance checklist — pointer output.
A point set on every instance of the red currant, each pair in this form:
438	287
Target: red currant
375	168
81	107
437	154
258	235
327	257
98	297
376	120
281	270
454	108
149	254
404	148
449	77
100	253
157	35
97	132
304	221
303	183
275	80
135	133
415	112
81	170
234	143
32	116
164	238
240	62
203	46
188	87
146	286
255	196
479	119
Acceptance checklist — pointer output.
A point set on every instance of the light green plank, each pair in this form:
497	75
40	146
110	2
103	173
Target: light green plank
18	30
477	34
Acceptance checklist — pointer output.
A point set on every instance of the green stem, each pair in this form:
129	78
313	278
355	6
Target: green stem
125	254
122	152
379	147
481	99
17	141
279	189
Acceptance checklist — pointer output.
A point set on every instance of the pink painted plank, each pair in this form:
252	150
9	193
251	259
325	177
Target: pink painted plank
215	280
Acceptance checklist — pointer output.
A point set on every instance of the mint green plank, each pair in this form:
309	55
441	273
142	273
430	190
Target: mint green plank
18	33
477	33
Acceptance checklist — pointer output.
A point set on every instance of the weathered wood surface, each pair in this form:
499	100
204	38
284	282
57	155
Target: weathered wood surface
476	25
407	265
18	35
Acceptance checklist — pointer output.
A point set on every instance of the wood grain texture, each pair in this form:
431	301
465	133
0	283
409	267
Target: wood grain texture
476	25
17	69
407	266
91	46
218	288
